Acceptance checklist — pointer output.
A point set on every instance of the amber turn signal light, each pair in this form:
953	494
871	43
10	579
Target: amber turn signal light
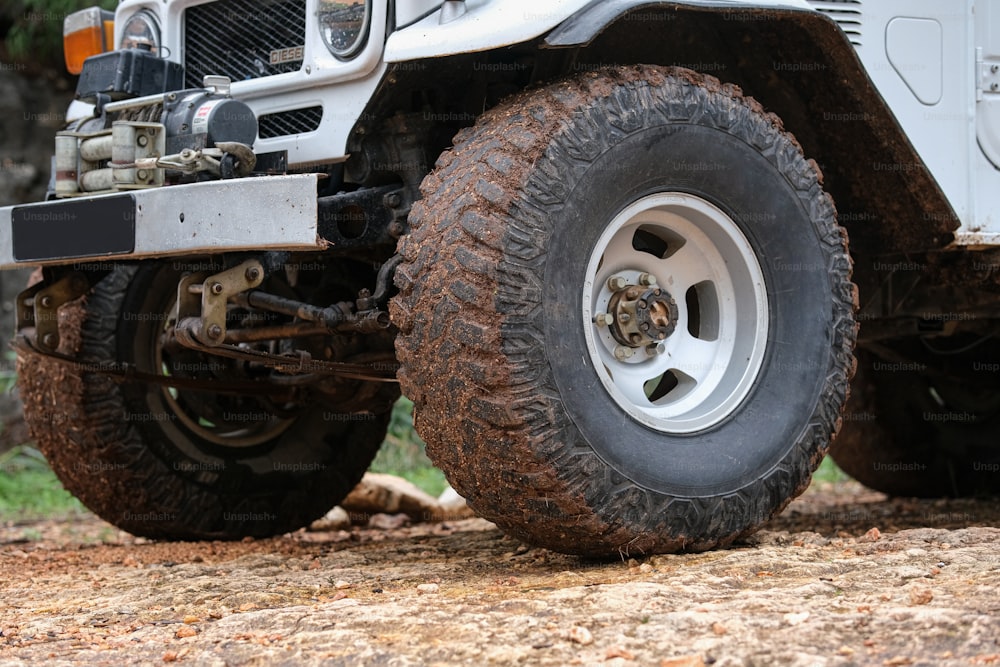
86	33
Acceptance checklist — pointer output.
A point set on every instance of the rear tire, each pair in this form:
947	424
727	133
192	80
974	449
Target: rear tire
913	431
187	465
587	437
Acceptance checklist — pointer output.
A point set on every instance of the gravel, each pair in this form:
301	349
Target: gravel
843	577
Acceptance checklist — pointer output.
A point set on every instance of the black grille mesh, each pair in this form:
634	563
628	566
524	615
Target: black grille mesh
284	123
235	38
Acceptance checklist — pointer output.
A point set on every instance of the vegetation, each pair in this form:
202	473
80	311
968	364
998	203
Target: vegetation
402	453
31	30
30	490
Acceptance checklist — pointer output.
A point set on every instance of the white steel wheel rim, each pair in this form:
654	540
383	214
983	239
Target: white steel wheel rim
702	371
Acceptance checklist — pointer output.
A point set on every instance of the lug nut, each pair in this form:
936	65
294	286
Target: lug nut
217	288
622	353
647	279
656	349
604	319
616	283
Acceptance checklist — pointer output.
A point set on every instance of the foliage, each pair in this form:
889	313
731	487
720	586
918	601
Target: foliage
30	490
403	454
36	27
829	473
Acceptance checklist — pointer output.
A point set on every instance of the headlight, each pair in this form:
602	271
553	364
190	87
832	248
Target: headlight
344	26
141	31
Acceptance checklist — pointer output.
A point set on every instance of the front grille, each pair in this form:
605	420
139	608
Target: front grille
847	14
243	39
284	123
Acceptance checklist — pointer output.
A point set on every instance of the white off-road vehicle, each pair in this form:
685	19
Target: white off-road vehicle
602	246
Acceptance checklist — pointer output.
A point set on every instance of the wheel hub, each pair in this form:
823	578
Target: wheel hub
641	315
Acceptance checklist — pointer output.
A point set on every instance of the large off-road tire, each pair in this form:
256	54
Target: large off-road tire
172	464
923	424
537	414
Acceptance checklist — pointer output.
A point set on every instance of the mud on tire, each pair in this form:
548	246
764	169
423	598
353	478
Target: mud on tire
522	403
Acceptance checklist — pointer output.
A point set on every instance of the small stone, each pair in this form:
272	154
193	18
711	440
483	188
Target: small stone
796	618
334	520
388	521
425	589
185	631
921	596
170	656
341	584
188	620
618	652
683	661
580	635
645	568
719	629
873	535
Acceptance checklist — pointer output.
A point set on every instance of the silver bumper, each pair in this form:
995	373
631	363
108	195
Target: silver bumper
272	212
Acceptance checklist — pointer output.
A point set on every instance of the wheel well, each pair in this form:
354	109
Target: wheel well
797	64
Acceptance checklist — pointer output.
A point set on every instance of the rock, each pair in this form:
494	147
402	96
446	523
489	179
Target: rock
388	521
580	635
387	494
185	631
425	589
335	519
452	506
684	661
921	596
796	618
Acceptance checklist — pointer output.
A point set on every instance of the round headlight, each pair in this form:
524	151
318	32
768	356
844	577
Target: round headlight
344	26
141	31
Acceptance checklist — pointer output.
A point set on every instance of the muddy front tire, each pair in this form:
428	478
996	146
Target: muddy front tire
171	464
626	314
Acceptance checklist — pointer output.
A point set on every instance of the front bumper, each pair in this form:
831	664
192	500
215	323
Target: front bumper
271	212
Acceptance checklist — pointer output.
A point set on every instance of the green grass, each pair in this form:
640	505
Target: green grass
402	453
829	473
29	490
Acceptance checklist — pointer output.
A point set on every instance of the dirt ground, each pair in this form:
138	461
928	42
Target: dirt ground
844	577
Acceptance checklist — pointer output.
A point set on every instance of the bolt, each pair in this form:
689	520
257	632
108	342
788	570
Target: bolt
616	283
647	279
995	68
657	291
645	326
603	319
46	302
393	200
632	294
215	332
142	140
643	304
252	274
50	340
635	338
622	353
217	288
656	349
624	317
141	175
